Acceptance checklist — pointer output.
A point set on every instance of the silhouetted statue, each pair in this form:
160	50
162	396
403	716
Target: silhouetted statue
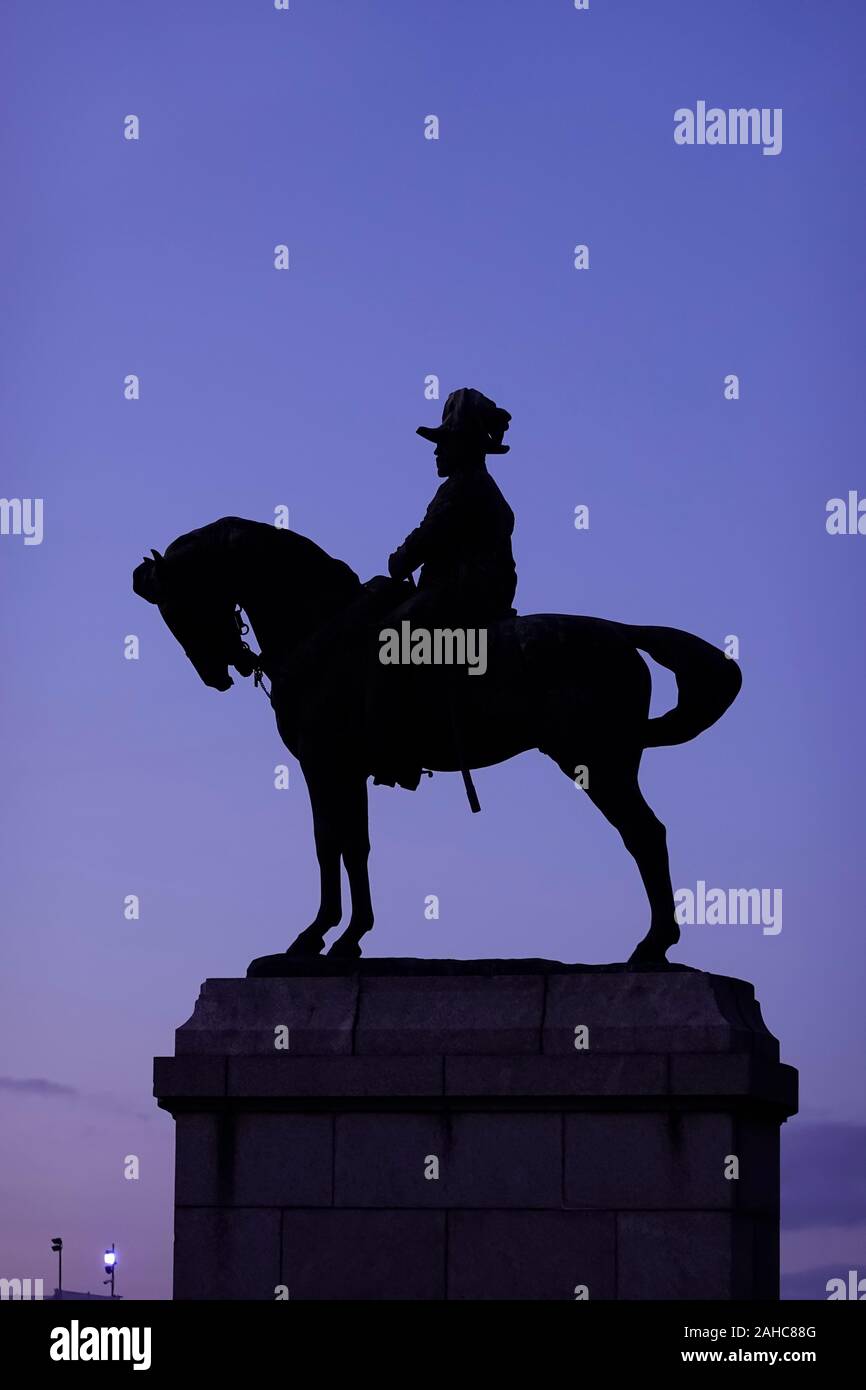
574	687
467	580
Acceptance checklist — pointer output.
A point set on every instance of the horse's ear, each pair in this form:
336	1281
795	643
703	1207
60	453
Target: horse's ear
159	559
145	581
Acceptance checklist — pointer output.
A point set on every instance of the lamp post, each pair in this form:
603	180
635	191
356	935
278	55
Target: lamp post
57	1247
110	1259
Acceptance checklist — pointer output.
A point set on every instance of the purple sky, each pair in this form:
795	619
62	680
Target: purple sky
304	388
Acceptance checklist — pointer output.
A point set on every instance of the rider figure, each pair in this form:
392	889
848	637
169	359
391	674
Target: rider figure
462	547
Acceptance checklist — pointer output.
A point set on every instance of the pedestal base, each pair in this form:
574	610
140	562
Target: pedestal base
475	1130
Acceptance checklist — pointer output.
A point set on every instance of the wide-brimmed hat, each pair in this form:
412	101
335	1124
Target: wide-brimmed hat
470	415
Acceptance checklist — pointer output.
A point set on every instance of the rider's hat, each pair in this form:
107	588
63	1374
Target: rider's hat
472	416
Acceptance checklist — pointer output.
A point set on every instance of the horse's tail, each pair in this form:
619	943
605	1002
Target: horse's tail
707	683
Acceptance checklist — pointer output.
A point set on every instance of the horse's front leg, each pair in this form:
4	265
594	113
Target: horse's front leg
326	833
355	846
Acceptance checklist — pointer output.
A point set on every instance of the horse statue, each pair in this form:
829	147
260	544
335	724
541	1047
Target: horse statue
575	688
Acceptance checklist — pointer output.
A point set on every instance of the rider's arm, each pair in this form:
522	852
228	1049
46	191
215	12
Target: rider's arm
435	533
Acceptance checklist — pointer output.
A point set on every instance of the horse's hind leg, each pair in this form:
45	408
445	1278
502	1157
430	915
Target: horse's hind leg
612	786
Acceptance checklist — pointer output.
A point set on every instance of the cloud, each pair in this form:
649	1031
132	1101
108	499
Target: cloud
823	1175
56	1090
36	1086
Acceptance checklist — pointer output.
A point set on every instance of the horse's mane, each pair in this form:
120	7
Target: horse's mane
289	555
273	544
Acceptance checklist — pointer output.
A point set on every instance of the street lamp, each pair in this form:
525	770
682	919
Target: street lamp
110	1259
57	1247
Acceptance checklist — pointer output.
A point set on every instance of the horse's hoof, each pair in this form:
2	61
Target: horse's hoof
346	950
651	951
647	955
306	945
654	947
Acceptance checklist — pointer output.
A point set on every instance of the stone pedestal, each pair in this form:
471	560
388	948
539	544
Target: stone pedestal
406	1129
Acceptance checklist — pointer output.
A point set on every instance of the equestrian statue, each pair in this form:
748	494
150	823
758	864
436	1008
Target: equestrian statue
575	688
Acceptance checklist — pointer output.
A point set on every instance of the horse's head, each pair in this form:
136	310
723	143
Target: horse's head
198	612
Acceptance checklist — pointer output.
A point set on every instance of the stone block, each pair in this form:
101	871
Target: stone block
442	1015
326	1077
581	1074
284	1160
227	1255
734	1074
254	1159
490	1160
531	1255
175	1077
664	1160
364	1254
201	1139
757	1146
654	1011
684	1255
240	1016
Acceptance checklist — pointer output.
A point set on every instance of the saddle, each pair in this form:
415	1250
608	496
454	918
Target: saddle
417	662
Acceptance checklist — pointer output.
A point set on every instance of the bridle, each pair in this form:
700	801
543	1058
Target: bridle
254	660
